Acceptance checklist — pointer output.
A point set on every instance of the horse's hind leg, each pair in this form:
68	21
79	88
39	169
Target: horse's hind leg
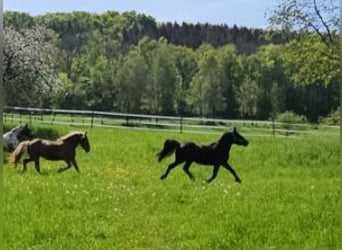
65	168
169	168
187	171
215	171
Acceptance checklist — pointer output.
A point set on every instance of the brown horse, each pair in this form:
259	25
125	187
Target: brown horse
64	148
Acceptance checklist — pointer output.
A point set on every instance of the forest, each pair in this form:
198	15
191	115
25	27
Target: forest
129	62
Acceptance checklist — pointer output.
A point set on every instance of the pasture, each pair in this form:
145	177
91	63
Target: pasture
288	199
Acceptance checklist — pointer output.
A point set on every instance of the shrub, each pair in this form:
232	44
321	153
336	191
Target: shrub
289	118
331	119
38	132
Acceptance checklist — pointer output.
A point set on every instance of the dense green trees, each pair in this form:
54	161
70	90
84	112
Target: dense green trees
314	55
312	58
130	63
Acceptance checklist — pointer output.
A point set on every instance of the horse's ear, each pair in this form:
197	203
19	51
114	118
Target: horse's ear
234	129
85	133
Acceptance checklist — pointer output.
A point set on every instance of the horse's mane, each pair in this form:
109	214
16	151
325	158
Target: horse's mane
17	127
70	135
225	135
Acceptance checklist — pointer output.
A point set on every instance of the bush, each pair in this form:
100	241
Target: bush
38	132
289	118
331	119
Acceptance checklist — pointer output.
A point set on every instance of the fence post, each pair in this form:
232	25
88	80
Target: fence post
181	124
273	126
92	119
53	117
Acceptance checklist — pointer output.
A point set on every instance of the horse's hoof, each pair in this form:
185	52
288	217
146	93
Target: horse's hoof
238	180
162	177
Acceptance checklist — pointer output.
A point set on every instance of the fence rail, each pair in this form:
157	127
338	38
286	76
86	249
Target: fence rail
150	122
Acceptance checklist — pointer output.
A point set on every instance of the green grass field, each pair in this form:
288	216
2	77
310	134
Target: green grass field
288	199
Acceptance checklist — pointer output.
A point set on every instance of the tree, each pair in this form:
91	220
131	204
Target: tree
186	64
29	66
159	95
72	29
167	77
18	20
231	75
126	62
309	61
206	90
319	16
317	42
132	79
248	96
266	68
69	95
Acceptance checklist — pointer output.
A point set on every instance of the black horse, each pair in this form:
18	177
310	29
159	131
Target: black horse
216	154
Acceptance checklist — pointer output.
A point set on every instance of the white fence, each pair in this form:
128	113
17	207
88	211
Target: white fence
150	122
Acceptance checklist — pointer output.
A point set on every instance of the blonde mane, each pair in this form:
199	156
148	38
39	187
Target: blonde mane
68	136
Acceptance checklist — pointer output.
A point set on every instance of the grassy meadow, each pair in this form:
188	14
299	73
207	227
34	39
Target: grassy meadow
288	198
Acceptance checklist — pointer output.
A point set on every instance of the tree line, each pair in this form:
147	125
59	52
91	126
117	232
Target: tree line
130	63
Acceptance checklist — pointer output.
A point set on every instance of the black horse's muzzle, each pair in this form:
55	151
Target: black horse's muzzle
243	143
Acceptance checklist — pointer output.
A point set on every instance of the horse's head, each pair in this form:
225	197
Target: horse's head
22	132
84	142
239	139
233	137
26	131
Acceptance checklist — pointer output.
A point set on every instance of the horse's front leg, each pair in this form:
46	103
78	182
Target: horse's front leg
231	170
37	166
74	163
25	161
215	171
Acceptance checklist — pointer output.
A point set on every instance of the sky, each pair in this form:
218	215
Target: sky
248	13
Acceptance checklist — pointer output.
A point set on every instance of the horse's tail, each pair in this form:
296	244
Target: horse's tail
169	147
18	152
